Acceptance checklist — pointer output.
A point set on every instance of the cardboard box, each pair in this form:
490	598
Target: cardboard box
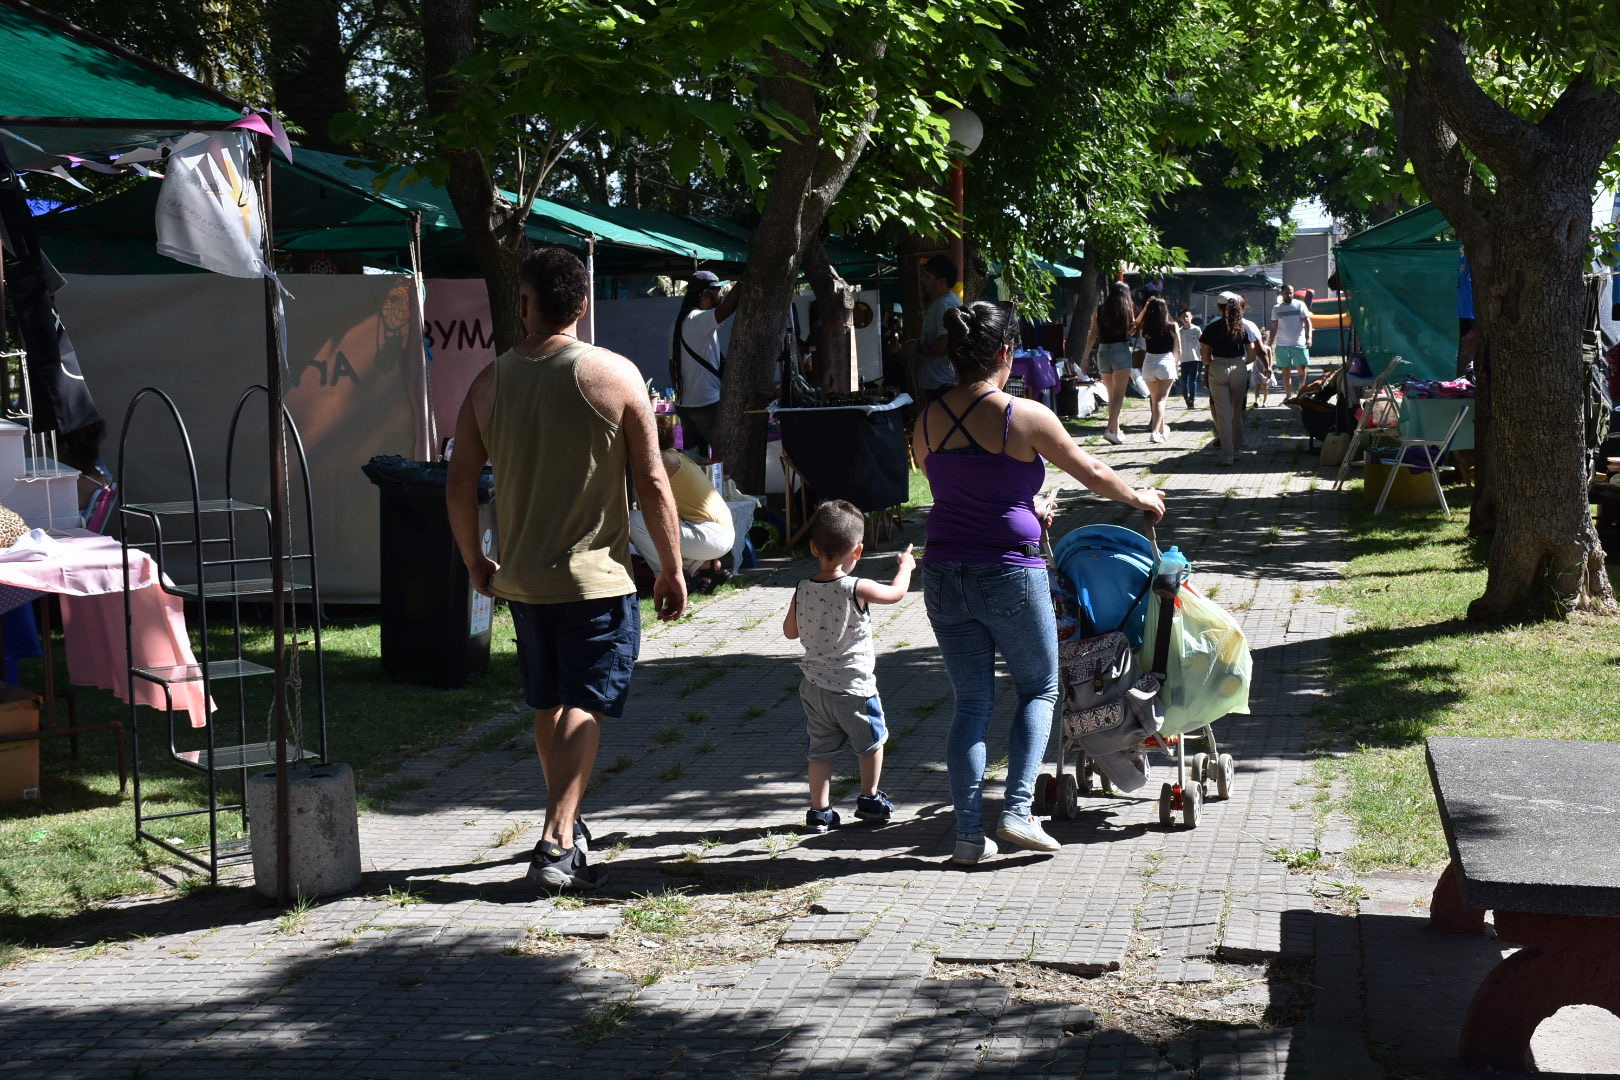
1412	486
19	760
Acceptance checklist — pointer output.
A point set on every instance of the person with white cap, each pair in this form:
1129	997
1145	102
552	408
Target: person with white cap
695	362
1227	345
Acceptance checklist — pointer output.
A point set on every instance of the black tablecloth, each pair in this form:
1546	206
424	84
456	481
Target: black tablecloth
852	453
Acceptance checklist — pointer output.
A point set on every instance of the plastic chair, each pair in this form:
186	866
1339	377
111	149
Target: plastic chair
1431	454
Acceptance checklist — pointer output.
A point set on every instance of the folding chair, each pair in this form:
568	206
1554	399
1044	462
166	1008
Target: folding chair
1382	403
1433	454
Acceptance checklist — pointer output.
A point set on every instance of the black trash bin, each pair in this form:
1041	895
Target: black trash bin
435	628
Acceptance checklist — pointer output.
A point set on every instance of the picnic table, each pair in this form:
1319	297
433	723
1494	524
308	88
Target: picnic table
1534	834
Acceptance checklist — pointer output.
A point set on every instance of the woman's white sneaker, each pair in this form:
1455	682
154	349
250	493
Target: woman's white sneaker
1026	833
969	852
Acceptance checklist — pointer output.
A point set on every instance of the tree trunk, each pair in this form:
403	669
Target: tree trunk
1545	559
805	179
757	338
835	300
308	70
1085	304
1526	241
449	35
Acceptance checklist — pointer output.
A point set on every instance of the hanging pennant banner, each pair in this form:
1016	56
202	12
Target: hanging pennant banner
208	211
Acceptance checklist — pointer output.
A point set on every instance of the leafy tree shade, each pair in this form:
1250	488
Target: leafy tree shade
220	44
1072	161
785	100
1234	215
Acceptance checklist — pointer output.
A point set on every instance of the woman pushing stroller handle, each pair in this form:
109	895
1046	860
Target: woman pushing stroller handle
984	581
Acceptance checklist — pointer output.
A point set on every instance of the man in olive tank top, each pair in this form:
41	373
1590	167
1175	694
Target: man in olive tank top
561	421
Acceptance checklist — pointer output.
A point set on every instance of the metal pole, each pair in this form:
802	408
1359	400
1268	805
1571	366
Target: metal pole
428	448
590	299
958	191
278	502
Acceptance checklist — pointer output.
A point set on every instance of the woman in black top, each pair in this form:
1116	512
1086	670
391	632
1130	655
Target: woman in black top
1228	345
1111	326
1160	367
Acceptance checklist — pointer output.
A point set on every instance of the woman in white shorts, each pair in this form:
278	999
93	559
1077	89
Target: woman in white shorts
1161	366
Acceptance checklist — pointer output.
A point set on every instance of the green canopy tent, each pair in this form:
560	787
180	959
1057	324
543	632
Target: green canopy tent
328	205
65	93
1400	284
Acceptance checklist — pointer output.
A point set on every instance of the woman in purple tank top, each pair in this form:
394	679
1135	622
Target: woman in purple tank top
983	577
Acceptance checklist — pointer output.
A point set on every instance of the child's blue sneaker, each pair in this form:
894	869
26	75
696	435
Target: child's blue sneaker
819	821
877	808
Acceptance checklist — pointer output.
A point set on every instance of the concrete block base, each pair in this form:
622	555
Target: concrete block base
323	830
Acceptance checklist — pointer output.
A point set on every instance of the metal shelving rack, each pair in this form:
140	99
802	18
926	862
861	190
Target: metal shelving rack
202	540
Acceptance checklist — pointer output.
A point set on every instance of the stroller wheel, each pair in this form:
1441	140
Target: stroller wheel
1192	801
1041	805
1225	767
1198	767
1167	806
1068	807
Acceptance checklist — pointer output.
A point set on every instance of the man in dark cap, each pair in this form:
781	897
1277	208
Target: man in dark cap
934	372
695	361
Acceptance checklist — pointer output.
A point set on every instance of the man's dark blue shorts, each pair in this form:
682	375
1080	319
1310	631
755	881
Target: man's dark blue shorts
579	654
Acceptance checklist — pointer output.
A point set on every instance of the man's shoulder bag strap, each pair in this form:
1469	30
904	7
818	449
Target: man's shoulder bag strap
704	363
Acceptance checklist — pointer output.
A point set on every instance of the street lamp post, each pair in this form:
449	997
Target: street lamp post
967	131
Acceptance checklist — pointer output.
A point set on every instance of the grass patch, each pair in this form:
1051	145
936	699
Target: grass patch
604	1020
668	735
1412	667
1295	859
293	919
673	772
700	681
74	847
665	914
403	898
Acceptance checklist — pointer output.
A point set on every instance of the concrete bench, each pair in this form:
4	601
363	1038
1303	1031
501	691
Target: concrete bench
1534	832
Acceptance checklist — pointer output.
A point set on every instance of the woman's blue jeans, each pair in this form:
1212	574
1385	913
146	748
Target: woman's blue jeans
978	610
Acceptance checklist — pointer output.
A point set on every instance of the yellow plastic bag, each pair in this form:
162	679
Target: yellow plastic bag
1208	662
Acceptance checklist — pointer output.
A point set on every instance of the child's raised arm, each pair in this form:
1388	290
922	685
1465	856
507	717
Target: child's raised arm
871	592
790	625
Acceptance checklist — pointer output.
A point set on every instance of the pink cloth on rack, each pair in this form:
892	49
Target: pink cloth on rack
87	572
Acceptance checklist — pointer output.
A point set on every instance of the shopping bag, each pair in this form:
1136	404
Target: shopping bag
1334	446
1209	665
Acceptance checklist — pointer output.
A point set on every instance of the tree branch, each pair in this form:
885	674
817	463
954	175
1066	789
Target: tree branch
1502	140
835	165
1585	120
1436	154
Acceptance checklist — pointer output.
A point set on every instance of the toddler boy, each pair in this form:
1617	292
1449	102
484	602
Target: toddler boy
829	613
1260	377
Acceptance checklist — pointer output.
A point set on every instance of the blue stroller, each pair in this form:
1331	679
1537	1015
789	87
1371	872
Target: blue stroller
1105	577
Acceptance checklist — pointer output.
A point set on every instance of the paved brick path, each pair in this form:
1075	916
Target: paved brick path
900	964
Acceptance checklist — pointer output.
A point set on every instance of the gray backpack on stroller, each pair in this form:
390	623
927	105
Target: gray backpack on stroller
1110	706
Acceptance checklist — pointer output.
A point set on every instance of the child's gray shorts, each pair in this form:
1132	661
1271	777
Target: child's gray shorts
834	721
